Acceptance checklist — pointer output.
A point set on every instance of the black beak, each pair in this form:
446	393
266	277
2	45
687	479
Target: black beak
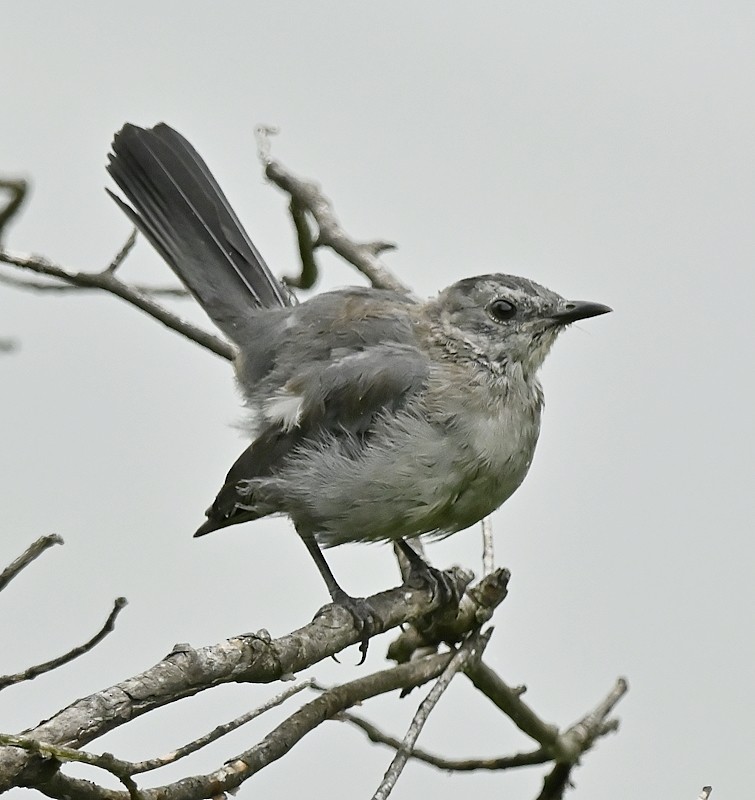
579	309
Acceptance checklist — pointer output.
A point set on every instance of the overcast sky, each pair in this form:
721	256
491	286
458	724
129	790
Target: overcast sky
604	149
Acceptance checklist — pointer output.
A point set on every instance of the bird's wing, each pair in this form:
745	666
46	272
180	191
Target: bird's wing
321	401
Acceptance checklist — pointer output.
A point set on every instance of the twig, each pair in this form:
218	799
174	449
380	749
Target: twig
582	735
18	189
374	734
30	554
45	750
276	744
309	270
108	282
221	730
33	672
249	658
362	255
120	256
509	701
488	554
452	625
472	649
62	288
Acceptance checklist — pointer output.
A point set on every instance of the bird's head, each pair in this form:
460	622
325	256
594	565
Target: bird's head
506	321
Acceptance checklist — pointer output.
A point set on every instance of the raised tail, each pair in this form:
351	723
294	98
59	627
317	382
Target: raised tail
179	207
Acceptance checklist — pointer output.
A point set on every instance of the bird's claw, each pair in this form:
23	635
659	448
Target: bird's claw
440	583
366	619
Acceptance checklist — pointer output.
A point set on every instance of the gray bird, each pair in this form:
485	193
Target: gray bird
377	417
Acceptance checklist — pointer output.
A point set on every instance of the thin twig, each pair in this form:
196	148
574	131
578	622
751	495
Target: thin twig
471	650
63	288
374	734
120	256
277	743
362	255
18	189
221	730
108	282
33	672
309	271
488	554
581	736
32	552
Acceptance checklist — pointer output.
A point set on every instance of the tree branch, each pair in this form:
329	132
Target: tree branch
30	554
107	282
308	195
34	672
18	189
248	658
374	734
470	650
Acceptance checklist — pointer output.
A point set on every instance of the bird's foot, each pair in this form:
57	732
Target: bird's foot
440	583
366	619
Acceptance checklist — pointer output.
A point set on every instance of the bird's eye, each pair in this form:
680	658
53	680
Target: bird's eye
501	310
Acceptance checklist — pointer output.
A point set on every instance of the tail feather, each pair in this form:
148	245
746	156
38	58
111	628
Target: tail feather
179	207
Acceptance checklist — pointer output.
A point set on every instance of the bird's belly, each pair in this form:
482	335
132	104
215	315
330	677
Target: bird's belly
430	480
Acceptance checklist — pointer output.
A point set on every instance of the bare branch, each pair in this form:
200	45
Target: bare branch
309	196
582	735
107	281
217	733
510	702
476	607
32	552
18	189
471	650
106	761
488	553
274	746
34	672
556	782
248	658
63	288
309	270
120	256
374	734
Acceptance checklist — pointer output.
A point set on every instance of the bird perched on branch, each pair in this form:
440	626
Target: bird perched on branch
378	417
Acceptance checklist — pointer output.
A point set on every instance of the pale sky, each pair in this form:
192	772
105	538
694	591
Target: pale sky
604	149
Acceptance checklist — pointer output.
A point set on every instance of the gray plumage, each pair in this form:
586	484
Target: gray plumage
378	417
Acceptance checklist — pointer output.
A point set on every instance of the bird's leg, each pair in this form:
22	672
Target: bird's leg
365	618
422	575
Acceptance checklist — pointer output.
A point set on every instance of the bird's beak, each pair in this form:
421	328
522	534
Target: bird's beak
579	309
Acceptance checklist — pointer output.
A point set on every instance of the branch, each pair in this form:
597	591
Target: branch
476	607
472	649
488	552
274	746
18	189
32	552
309	270
218	732
107	281
307	195
34	672
248	658
374	734
63	288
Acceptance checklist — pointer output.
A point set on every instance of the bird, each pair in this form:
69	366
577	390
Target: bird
376	416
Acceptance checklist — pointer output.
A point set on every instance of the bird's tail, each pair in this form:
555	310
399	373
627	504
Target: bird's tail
179	207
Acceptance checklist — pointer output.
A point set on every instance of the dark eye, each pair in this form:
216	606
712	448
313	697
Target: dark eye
501	310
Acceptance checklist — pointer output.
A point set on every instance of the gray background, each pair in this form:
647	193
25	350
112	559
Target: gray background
602	148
